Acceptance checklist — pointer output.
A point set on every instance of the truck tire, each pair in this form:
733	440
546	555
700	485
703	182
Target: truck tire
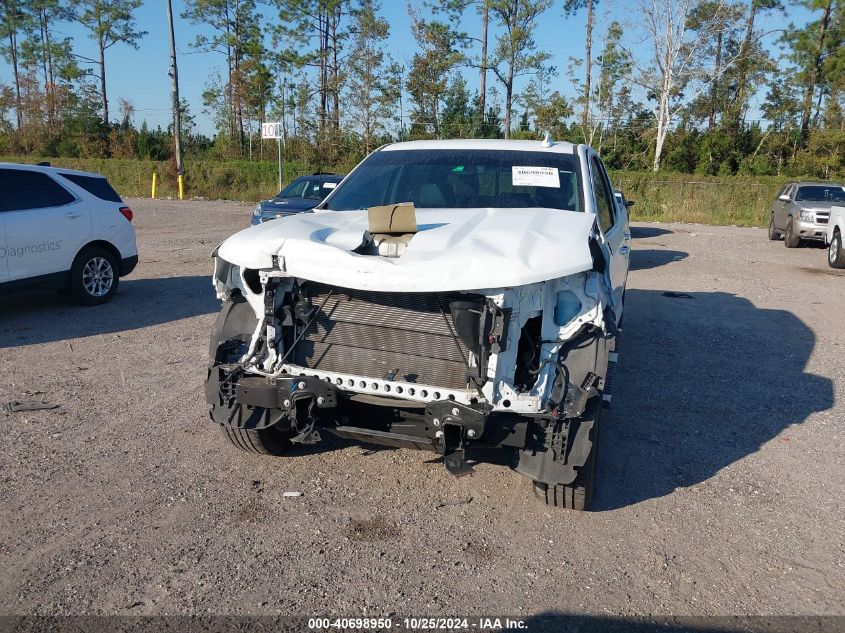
791	240
774	234
579	494
94	276
230	336
836	252
270	441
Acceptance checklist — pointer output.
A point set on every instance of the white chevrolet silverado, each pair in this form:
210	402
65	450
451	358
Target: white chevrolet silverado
834	236
455	296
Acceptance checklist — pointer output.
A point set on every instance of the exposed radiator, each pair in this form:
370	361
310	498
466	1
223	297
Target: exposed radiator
388	336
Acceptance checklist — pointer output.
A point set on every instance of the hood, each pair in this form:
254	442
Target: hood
455	249
287	205
822	206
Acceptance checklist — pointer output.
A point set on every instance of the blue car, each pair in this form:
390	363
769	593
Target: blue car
300	196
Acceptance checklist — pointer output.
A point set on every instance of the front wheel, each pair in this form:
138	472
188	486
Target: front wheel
251	429
270	441
94	276
579	494
791	240
774	234
836	252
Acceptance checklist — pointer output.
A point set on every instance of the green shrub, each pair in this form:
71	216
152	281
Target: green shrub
664	197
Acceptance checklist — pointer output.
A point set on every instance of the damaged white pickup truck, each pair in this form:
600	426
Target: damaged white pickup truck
455	296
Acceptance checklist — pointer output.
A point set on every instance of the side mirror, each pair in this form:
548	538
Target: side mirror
630	203
783	198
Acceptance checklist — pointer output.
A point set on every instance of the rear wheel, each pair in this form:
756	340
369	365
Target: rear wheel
774	234
791	240
836	252
579	494
94	276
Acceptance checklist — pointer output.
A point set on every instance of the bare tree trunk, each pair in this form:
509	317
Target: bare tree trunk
177	106
13	49
815	73
284	115
49	76
485	20
588	59
742	69
509	98
42	28
335	87
323	32
238	84
663	111
714	85
49	52
103	95
230	86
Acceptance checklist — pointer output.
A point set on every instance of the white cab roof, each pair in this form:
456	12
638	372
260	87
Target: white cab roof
560	147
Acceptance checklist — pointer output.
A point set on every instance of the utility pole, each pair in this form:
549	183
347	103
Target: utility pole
482	100
177	106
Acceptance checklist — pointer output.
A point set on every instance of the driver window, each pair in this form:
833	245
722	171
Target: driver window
604	197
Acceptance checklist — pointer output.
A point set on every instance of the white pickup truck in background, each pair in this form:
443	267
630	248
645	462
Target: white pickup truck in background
834	237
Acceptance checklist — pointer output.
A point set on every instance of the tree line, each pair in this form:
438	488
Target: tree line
696	86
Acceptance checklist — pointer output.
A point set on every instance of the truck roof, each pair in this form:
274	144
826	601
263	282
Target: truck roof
557	147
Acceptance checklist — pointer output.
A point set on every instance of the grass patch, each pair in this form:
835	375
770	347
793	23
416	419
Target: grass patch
662	197
729	200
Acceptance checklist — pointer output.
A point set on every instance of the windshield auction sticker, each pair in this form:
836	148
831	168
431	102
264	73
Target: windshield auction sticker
535	177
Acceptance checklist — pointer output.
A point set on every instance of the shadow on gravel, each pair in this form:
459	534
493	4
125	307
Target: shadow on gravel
654	258
641	232
29	319
702	382
552	622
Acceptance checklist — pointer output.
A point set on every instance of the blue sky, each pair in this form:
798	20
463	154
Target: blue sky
141	76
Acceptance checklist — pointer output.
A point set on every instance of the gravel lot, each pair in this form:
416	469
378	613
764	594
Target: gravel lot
722	470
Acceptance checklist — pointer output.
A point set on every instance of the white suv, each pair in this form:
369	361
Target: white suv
63	229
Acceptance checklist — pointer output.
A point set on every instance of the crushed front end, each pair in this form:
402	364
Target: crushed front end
524	368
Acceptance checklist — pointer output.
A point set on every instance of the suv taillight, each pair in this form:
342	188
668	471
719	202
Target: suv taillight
126	212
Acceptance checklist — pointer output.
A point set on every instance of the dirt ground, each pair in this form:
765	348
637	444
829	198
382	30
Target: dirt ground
722	462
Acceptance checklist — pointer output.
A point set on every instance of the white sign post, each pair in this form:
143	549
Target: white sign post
274	130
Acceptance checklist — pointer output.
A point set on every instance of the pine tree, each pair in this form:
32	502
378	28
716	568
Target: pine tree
516	53
108	22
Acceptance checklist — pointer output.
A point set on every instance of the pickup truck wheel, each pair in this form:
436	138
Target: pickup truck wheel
836	252
774	234
579	494
791	240
94	276
230	339
270	441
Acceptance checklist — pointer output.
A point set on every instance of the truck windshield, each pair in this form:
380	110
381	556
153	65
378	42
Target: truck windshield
463	179
821	193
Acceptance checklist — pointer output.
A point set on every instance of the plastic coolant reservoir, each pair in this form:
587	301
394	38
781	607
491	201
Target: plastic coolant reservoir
567	307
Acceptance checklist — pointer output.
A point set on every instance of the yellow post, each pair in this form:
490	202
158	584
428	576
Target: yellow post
154	185
181	187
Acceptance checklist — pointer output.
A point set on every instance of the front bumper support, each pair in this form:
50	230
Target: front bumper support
283	393
446	426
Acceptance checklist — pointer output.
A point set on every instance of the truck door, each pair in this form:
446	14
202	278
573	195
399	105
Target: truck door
782	208
613	222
